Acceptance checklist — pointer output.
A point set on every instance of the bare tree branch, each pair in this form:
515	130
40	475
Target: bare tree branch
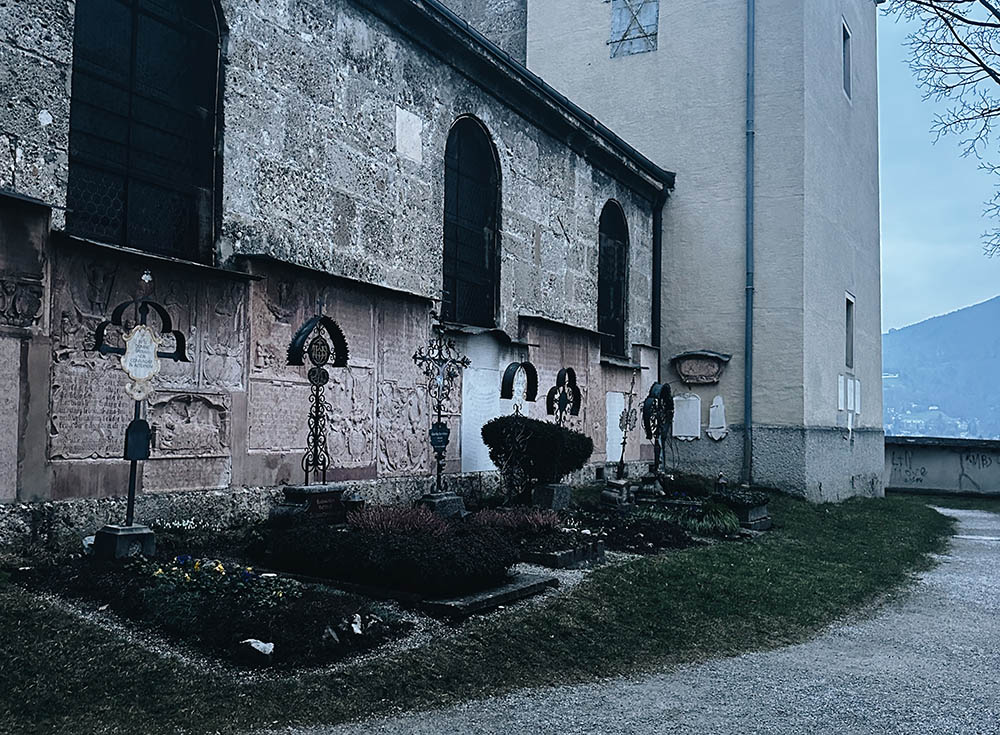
955	56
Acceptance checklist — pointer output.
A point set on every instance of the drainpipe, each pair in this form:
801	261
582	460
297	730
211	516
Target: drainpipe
661	199
748	337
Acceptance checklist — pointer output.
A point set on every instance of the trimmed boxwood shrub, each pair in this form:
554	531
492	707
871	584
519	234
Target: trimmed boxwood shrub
530	452
398	554
740	499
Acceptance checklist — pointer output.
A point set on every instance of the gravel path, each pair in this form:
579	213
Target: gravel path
927	664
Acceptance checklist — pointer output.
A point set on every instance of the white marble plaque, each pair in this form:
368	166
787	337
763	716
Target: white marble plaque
409	131
615	404
841	394
857	396
850	394
687	417
480	403
717	427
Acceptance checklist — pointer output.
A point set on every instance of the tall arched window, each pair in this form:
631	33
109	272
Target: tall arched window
143	125
471	226
612	277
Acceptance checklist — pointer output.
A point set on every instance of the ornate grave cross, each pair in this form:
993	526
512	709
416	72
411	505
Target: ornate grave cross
323	342
626	423
442	364
657	416
518	384
563	399
141	360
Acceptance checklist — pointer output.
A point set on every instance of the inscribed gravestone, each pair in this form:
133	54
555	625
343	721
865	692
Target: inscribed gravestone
614	404
687	417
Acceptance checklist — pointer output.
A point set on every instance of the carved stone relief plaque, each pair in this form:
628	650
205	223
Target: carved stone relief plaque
20	301
190	425
403	419
223	332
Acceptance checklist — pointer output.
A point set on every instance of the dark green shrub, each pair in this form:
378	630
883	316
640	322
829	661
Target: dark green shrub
529	452
462	558
398	519
521	523
740	499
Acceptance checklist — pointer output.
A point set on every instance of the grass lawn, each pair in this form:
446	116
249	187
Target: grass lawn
59	674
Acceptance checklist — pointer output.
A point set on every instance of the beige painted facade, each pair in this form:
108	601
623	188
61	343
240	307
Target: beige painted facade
816	214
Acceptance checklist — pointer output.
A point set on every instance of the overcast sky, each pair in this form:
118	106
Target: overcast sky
932	203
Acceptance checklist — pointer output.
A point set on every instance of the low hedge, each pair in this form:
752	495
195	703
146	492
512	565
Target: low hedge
457	558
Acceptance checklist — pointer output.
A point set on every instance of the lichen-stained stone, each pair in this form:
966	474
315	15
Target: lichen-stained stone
10	375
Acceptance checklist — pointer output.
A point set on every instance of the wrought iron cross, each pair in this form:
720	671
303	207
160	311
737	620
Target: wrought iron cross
322	341
442	364
626	423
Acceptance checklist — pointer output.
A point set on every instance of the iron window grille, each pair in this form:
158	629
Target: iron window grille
144	125
471	226
612	287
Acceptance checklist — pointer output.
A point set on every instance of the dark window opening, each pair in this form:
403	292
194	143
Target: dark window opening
611	279
471	225
143	125
849	332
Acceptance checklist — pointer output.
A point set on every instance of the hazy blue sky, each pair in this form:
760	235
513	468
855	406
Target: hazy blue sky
932	203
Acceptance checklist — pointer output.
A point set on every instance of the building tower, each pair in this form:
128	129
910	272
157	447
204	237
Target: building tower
672	79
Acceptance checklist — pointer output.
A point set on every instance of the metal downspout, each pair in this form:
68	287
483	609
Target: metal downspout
657	266
748	337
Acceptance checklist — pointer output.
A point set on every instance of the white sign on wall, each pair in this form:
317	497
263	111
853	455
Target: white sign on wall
687	417
615	404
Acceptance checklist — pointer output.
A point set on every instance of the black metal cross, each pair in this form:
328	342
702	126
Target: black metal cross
442	364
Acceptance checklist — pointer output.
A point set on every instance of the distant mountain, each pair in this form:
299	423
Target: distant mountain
941	377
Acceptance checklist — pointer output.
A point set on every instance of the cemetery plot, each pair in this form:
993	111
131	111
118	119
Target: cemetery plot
227	610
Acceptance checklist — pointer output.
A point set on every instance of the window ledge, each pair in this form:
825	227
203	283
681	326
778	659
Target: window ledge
622	362
133	252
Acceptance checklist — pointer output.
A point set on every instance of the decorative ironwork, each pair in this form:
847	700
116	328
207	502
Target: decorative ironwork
140	360
519	383
657	416
442	364
322	341
563	399
627	422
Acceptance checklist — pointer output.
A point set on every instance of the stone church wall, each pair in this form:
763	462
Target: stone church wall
335	127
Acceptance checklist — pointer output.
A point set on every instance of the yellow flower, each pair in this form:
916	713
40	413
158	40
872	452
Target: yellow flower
197	565
158	571
187	577
280	593
220	569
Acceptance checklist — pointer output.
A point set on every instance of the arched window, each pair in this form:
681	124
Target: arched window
612	279
143	125
471	225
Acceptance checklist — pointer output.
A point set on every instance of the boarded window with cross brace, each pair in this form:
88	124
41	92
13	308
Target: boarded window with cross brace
634	25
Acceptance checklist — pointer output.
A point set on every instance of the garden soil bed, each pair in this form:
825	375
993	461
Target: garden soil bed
574	556
215	612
